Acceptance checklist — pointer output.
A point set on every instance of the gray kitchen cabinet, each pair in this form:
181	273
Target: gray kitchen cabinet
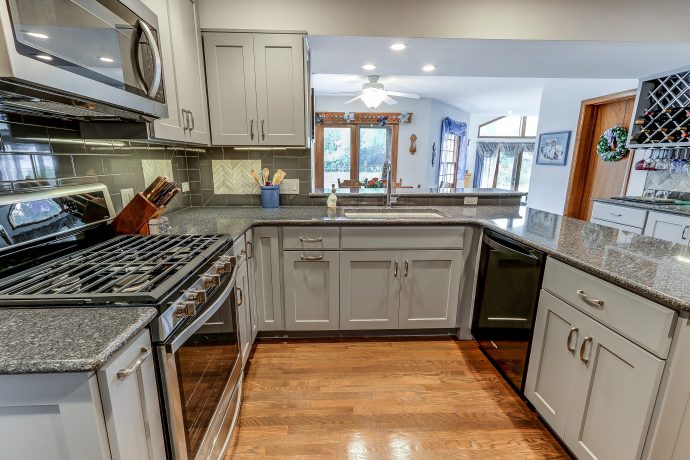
183	78
311	281
244	326
267	276
595	388
369	289
668	227
251	267
256	88
430	289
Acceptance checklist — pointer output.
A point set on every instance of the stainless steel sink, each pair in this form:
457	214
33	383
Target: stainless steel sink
393	213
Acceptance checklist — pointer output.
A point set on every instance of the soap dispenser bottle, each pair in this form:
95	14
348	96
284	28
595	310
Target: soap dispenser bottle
332	198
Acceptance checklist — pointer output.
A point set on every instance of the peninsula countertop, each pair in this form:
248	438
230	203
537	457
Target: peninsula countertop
51	340
652	268
420	192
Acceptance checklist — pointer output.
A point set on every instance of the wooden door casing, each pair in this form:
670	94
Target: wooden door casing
590	176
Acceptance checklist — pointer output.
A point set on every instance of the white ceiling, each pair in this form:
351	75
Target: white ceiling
475	95
496	58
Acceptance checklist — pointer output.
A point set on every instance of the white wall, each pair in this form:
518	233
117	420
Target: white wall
614	20
560	111
426	125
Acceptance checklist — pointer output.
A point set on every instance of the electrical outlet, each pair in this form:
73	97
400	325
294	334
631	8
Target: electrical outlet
126	194
289	187
185	187
471	200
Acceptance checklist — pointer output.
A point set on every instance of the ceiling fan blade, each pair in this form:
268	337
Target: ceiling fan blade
399	94
353	99
389	100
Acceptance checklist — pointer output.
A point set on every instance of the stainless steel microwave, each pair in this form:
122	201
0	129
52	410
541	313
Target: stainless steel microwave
81	59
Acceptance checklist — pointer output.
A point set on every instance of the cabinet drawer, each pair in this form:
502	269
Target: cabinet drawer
627	228
311	238
417	237
640	320
619	214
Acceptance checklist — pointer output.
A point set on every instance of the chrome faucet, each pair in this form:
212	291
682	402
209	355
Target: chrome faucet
388	176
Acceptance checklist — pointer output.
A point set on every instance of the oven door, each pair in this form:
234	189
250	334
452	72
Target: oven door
102	50
200	369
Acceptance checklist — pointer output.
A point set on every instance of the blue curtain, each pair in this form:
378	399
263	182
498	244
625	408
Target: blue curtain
450	126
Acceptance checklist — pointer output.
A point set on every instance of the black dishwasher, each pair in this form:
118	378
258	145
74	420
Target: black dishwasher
508	284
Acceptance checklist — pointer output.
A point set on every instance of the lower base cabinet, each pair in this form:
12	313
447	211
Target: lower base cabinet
595	388
243	301
311	283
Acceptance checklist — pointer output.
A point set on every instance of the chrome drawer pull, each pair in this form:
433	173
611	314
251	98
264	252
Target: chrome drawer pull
124	373
573	330
395	269
685	229
582	350
407	268
310	240
615	214
303	257
240	301
588	299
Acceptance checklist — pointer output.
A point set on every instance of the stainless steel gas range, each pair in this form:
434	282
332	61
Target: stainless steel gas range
57	251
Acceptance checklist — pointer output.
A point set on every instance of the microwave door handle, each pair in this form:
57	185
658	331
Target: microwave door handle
158	65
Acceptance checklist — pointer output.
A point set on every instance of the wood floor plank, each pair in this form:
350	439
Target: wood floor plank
385	398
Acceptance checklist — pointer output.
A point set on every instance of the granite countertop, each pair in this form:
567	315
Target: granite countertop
652	268
683	210
420	192
38	341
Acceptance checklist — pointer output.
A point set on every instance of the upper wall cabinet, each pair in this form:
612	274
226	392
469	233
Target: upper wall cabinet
256	88
184	72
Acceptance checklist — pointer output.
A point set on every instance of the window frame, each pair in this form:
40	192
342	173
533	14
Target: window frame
456	156
523	129
354	149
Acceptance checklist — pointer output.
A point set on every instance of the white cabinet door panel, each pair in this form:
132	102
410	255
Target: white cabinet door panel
668	227
430	289
311	290
369	289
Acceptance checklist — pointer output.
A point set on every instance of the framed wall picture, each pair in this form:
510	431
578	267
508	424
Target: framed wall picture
553	148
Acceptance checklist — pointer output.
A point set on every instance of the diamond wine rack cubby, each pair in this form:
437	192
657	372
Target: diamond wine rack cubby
662	111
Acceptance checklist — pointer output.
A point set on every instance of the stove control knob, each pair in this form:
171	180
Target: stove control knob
197	297
211	281
185	309
224	265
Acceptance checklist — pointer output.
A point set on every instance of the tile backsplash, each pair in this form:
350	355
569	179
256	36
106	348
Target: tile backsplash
38	153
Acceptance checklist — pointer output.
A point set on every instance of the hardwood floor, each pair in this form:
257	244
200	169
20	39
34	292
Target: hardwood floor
383	399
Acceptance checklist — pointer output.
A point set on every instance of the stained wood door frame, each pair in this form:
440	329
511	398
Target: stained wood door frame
577	184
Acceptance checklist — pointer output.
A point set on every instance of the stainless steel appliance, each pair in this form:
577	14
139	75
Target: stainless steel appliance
508	285
56	250
81	59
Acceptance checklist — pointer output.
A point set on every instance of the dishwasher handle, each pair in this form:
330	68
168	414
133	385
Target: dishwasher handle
503	248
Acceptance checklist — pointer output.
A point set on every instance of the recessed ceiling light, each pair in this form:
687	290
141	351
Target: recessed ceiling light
368	66
398	46
429	68
44	57
106	59
37	35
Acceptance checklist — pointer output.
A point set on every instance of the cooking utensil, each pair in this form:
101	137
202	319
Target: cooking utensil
278	177
255	176
266	175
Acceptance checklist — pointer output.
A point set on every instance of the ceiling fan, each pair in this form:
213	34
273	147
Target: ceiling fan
373	94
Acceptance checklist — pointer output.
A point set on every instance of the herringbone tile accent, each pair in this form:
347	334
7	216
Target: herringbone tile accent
232	177
155	168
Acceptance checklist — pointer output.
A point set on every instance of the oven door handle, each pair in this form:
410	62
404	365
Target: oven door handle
194	326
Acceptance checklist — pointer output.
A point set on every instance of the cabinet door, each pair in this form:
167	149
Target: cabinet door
189	68
430	289
173	127
668	227
369	289
267	277
130	402
279	63
311	290
614	396
244	326
552	364
231	88
251	273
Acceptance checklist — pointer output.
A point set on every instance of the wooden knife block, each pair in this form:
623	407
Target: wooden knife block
135	217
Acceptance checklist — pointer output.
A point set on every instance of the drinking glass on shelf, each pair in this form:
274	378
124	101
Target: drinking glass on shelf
685	162
649	162
677	162
662	194
663	163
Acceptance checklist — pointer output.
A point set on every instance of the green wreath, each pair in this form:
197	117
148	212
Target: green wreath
612	144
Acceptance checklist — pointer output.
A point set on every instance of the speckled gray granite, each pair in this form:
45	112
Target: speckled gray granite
667	208
37	341
655	269
421	192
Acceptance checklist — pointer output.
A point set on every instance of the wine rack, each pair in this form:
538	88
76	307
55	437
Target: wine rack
662	111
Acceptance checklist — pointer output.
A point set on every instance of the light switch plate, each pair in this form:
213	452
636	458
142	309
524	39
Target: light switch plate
289	187
185	187
126	194
471	200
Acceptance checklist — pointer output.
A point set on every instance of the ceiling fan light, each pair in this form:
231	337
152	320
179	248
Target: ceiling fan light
373	97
